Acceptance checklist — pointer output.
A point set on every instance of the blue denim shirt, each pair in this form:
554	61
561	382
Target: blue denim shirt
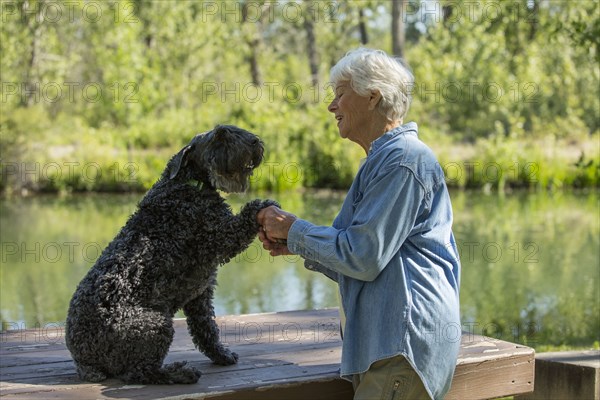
393	254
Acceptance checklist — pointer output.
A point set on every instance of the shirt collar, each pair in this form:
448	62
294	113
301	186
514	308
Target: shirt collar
409	128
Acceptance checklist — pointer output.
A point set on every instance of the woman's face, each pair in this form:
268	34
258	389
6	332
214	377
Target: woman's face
351	112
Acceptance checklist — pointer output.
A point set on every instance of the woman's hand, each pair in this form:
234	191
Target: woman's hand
274	248
275	225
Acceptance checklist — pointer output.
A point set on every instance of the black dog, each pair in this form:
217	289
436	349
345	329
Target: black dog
166	258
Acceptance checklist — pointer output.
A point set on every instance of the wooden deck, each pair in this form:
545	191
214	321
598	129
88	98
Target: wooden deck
289	355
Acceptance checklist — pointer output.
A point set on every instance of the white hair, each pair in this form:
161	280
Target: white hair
370	70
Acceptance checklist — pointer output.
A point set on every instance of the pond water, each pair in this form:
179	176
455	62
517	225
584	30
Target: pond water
531	262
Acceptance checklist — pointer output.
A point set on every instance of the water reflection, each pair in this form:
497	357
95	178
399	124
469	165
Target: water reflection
530	262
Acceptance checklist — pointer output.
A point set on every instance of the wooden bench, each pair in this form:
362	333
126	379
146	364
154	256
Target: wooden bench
287	355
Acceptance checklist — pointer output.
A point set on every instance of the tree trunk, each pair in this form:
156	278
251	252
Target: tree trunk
33	23
398	8
253	40
362	26
447	11
139	7
534	19
311	43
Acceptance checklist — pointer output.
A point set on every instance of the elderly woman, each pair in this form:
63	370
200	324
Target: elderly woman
391	247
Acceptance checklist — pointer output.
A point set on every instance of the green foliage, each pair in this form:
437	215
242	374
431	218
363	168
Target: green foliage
132	81
544	162
508	71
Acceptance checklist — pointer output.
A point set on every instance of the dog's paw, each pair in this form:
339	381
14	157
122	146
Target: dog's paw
253	207
226	357
180	372
268	202
188	375
258	204
250	211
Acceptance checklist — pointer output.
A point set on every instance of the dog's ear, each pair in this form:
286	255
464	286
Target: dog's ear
180	161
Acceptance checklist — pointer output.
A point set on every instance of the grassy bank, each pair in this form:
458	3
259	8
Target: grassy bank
102	163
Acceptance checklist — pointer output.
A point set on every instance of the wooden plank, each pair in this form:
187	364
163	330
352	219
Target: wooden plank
566	375
282	355
489	368
493	378
250	358
331	389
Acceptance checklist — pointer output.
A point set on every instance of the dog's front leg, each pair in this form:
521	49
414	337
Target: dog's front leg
204	330
236	234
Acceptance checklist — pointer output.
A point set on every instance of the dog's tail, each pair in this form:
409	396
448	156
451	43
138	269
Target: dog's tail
177	372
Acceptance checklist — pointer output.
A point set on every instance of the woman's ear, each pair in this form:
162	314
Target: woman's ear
374	99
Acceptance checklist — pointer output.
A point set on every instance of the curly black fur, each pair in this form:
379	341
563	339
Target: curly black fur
164	259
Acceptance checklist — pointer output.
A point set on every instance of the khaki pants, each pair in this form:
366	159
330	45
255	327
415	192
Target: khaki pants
389	379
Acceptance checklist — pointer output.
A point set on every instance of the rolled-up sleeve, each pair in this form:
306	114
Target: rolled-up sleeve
383	217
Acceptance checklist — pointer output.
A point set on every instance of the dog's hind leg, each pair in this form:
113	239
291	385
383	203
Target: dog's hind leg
147	335
204	330
89	373
177	372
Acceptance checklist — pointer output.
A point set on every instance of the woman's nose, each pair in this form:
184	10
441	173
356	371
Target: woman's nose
332	106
